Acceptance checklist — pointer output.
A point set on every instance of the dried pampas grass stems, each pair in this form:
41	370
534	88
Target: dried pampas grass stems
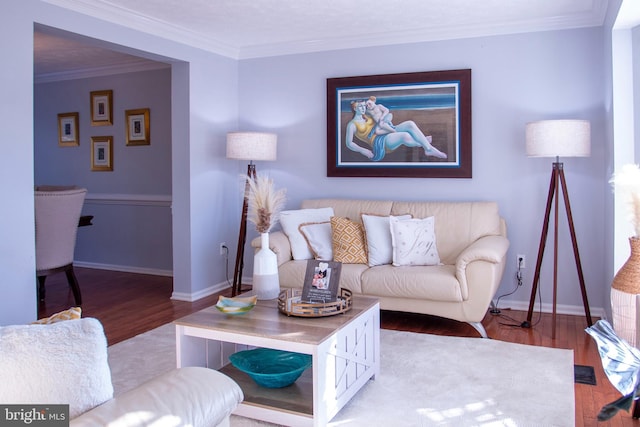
265	203
628	180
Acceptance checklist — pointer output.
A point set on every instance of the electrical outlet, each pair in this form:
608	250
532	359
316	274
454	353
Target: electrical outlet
521	261
223	248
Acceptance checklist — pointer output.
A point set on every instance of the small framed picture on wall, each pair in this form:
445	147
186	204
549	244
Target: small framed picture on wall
101	108
138	127
68	134
102	153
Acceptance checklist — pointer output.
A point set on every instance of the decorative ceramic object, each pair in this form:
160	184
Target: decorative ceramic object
265	204
271	368
625	290
266	283
237	305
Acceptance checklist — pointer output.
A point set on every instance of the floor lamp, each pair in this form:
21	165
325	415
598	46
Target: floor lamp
557	138
248	146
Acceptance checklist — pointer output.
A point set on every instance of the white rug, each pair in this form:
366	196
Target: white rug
425	380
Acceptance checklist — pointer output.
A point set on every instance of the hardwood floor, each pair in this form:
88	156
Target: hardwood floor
129	304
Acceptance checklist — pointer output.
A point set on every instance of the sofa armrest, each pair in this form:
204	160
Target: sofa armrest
488	249
279	244
192	396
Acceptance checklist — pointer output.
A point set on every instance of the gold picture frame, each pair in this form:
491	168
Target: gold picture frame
102	108
102	153
68	131
137	122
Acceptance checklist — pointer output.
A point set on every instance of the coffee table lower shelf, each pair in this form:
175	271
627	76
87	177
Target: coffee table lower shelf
296	399
345	352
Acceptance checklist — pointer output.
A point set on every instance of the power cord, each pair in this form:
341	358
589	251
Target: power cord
496	311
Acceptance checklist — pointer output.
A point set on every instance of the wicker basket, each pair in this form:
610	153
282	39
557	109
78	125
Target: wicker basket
289	303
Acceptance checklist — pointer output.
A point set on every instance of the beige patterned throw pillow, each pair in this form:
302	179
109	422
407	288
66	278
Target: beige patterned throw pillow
348	241
71	314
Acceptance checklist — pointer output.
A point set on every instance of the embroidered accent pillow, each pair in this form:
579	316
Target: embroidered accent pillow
414	241
348	241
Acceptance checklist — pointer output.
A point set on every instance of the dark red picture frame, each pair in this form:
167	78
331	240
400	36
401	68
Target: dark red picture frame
412	125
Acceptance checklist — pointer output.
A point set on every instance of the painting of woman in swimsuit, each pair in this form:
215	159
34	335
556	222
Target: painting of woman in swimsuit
409	130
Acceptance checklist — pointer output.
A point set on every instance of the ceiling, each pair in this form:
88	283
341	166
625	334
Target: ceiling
248	28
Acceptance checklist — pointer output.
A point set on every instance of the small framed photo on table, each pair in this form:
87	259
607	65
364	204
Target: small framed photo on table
68	134
321	281
138	127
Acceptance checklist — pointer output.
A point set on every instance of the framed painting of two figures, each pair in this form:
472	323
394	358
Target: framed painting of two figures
400	125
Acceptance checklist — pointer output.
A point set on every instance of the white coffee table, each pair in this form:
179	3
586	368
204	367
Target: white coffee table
345	351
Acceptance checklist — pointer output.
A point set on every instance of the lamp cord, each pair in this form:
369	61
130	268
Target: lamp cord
515	322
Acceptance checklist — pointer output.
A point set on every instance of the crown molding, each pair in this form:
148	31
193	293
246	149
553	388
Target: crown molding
132	19
592	17
130	67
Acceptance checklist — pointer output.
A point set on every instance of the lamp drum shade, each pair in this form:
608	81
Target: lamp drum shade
558	138
251	146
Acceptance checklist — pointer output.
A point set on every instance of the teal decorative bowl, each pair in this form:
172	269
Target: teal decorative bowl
271	368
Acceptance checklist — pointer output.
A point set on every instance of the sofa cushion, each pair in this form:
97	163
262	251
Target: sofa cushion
377	235
291	220
348	241
413	241
318	237
61	363
292	274
435	283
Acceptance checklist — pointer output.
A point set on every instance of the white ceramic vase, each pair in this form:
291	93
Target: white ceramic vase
266	284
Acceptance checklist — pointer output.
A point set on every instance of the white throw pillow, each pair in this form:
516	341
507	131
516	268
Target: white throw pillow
60	363
318	236
414	241
377	234
291	220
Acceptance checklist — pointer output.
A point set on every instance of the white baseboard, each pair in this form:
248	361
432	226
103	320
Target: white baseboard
214	289
182	296
574	310
125	268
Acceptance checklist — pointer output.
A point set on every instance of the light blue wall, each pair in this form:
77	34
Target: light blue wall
515	79
17	237
131	205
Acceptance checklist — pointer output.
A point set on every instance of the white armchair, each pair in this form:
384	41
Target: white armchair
66	363
57	212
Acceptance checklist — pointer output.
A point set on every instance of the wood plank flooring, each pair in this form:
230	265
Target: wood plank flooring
128	304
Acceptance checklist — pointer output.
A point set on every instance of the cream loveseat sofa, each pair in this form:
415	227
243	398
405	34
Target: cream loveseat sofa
470	242
67	363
